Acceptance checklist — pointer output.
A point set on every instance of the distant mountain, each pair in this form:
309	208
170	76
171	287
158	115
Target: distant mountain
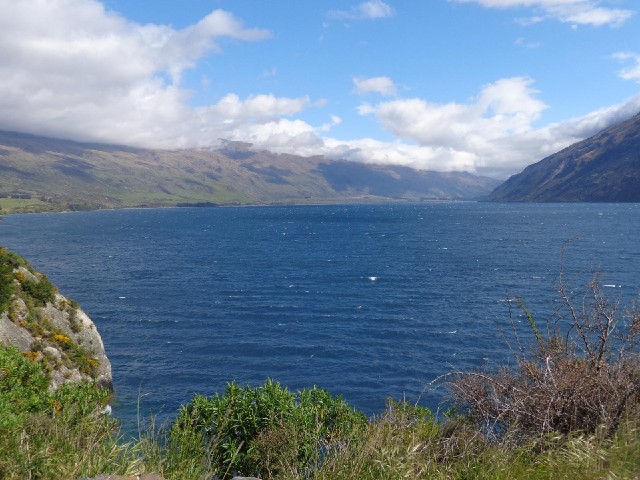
602	168
38	173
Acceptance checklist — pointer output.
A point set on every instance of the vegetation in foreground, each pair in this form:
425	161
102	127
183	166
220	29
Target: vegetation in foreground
569	409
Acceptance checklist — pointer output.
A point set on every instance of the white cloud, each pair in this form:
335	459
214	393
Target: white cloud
381	85
335	120
577	12
281	136
258	106
493	134
524	43
376	9
370	10
62	74
62	71
466	147
632	72
502	108
368	150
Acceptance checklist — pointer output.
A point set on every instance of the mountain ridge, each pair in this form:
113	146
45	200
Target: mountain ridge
52	174
602	168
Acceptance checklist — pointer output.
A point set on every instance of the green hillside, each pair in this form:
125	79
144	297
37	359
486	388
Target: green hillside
38	173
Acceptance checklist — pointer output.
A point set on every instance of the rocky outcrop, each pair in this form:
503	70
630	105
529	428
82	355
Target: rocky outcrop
48	327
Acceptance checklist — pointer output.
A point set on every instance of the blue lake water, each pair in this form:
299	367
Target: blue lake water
368	301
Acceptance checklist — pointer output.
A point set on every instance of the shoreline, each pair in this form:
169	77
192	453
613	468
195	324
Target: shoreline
341	201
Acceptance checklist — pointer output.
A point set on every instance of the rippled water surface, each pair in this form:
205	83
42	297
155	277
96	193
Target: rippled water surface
367	301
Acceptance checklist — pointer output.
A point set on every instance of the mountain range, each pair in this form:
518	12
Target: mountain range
38	173
602	168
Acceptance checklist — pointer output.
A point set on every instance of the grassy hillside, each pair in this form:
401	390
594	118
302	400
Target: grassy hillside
39	173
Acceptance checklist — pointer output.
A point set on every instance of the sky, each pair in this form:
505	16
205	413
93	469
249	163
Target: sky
484	86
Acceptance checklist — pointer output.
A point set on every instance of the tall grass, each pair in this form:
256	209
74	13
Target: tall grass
569	410
404	442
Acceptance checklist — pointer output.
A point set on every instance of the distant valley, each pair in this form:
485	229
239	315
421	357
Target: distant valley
38	174
45	174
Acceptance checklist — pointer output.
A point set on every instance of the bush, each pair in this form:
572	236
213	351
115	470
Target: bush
50	435
264	431
24	390
585	377
23	387
6	286
7	264
41	291
12	259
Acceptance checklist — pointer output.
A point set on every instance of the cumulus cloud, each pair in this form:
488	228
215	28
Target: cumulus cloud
62	71
631	72
465	148
258	106
62	74
505	107
335	120
577	12
423	157
381	85
370	10
493	134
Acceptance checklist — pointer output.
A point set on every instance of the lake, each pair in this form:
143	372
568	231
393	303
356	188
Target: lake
367	301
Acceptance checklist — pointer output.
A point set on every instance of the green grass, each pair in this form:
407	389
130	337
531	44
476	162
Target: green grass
168	200
277	434
18	205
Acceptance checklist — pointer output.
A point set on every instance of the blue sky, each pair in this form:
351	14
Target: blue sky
486	86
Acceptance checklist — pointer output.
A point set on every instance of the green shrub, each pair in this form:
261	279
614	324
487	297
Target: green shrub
11	258
23	387
264	431
24	391
47	435
41	291
6	279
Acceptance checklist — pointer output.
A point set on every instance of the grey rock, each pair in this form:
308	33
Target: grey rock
27	274
12	334
52	352
73	322
77	325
